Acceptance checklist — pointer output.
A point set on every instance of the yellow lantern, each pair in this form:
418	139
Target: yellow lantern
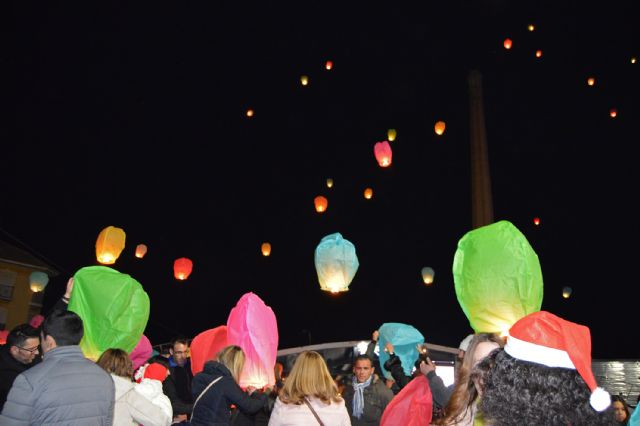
38	281
141	250
391	135
427	275
368	193
109	245
329	183
249	112
531	27
439	127
591	81
633	60
266	249
566	292
321	203
304	80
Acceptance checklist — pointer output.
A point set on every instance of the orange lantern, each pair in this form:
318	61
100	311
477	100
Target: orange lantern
507	43
613	112
249	112
182	268
266	249
439	127
591	81
538	53
368	193
328	65
383	153
304	80
321	203
536	221
109	245
141	250
329	183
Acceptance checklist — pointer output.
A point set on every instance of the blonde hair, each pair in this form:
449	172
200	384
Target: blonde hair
309	377
116	361
232	357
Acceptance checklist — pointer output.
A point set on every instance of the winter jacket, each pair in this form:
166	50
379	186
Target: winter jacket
9	370
178	388
376	398
213	408
133	409
334	414
152	390
64	389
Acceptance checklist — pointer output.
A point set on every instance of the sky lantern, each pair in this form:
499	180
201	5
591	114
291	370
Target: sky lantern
439	127
182	268
634	60
536	221
110	244
566	292
404	339
321	203
383	153
497	277
266	249
114	309
252	325
507	43
141	353
368	193
205	346
391	134
427	275
141	250
538	53
304	80
591	81
328	65
250	112
329	183
38	281
336	263
613	113
531	27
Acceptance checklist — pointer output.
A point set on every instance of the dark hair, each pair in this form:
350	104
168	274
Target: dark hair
621	400
363	357
524	393
64	326
20	333
181	340
159	359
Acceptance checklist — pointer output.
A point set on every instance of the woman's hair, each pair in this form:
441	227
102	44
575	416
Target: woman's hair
309	377
525	393
465	392
232	357
116	361
621	400
159	359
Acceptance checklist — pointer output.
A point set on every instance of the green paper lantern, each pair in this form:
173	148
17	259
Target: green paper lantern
497	277
114	309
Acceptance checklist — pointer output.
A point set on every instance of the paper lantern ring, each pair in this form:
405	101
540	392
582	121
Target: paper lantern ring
336	263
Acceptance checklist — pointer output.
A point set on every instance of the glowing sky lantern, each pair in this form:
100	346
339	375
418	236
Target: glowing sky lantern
497	277
566	292
249	112
336	263
329	183
110	244
507	43
182	268
304	80
391	134
404	339
38	281
538	53
141	250
114	309
383	153
368	193
252	325
266	249
205	346
328	65
427	275
439	127
634	60
531	27
591	81
412	406
141	353
613	113
536	221
320	203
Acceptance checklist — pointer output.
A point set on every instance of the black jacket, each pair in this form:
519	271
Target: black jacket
214	406
177	387
10	368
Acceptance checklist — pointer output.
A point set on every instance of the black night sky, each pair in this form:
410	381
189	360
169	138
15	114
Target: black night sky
132	114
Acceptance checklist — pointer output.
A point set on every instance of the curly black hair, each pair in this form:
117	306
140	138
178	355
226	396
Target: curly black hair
524	393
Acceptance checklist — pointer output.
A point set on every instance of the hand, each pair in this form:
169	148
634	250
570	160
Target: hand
427	367
375	336
389	347
179	418
67	293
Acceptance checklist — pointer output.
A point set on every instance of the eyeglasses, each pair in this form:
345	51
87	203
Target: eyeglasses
30	350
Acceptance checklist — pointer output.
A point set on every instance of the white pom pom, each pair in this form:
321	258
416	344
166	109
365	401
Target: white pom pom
600	399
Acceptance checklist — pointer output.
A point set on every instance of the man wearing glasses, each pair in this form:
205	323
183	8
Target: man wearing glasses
16	356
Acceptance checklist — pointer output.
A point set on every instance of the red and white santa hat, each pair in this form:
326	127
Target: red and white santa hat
546	339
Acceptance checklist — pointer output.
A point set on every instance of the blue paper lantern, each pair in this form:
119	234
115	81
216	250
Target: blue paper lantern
405	339
38	281
336	263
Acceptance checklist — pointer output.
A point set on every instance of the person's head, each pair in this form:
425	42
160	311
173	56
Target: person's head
23	342
620	409
159	359
179	350
61	328
232	357
363	368
463	346
309	377
116	361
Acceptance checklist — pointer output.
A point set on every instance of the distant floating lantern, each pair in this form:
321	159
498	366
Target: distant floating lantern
109	245
531	27
304	80
427	275
507	43
368	193
613	113
336	263
538	53
249	113
439	127
141	250
328	65
383	153
536	221
321	203
591	81
391	135
38	281
633	60
182	268
266	249
566	292
329	183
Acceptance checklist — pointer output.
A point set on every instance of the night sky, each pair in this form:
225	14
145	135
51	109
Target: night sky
133	114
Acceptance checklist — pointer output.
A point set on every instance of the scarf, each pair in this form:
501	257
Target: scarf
358	396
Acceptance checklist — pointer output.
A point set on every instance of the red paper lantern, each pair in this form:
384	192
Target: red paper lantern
328	65
321	203
536	221
141	250
613	112
538	53
182	268
507	43
383	153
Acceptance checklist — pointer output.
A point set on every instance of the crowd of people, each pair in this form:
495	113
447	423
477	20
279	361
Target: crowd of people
540	374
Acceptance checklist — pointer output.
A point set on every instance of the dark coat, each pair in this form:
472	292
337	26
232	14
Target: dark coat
214	406
177	387
9	370
376	398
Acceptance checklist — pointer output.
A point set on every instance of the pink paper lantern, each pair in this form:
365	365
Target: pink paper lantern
141	353
252	325
205	346
382	151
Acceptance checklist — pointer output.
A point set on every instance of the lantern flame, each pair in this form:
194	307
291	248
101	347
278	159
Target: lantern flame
249	113
591	81
531	27
304	80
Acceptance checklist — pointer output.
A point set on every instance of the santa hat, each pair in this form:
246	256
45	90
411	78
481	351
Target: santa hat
155	371
546	339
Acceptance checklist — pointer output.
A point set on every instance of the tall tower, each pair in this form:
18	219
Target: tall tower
481	199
